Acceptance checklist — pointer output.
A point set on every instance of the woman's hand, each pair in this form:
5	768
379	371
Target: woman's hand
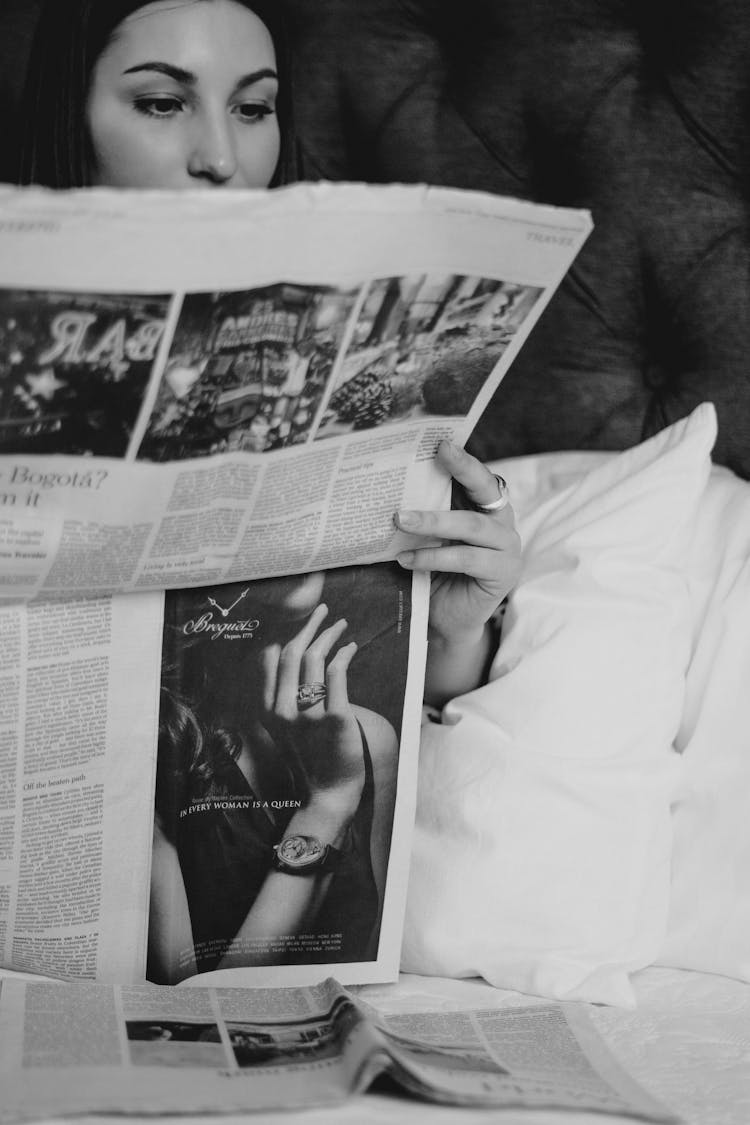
474	568
321	737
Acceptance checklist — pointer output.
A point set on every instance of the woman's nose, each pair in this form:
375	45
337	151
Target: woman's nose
213	156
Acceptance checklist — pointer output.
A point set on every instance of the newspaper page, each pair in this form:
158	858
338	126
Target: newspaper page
154	757
200	390
67	1051
540	1056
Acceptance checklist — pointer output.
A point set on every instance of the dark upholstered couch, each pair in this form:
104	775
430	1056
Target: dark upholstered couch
637	109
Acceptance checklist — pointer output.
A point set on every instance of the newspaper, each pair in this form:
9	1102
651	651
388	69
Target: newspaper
66	1051
211	405
153	756
198	390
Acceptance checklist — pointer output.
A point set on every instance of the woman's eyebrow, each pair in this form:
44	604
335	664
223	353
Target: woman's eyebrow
187	78
255	76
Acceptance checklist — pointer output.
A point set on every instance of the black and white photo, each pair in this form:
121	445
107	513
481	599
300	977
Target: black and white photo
74	368
246	370
281	710
423	345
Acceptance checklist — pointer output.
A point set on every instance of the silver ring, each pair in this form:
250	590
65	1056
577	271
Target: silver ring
310	694
503	498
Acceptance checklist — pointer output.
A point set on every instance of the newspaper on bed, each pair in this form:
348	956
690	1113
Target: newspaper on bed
68	1051
199	389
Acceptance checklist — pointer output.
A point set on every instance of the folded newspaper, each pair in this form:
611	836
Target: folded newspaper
201	389
68	1051
226	397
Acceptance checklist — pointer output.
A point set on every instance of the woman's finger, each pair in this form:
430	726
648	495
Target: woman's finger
336	678
269	662
290	661
313	669
489	568
314	659
479	483
481	529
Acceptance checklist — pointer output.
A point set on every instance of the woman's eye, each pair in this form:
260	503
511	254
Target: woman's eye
160	106
252	112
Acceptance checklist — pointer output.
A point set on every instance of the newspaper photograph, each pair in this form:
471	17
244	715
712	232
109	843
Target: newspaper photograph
250	818
69	1051
192	395
246	371
75	368
274	823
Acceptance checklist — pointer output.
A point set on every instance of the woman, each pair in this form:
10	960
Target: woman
248	774
196	93
89	120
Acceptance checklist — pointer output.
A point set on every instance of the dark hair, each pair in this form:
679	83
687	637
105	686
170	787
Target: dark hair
70	37
192	758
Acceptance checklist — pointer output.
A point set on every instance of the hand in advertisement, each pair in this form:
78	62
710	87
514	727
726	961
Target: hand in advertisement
307	712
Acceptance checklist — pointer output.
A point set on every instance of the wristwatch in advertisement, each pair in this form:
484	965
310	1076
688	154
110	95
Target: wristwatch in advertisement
305	855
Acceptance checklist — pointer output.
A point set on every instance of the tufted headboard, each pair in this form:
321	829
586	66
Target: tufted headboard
636	109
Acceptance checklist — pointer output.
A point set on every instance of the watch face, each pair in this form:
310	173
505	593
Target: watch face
301	851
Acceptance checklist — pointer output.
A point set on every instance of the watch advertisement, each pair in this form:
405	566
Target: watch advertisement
281	715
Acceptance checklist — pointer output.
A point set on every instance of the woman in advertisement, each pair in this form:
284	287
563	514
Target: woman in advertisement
197	94
275	793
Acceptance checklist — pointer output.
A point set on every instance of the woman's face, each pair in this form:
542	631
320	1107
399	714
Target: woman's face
183	96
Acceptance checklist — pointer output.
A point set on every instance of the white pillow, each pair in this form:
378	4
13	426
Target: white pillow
543	836
709	918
